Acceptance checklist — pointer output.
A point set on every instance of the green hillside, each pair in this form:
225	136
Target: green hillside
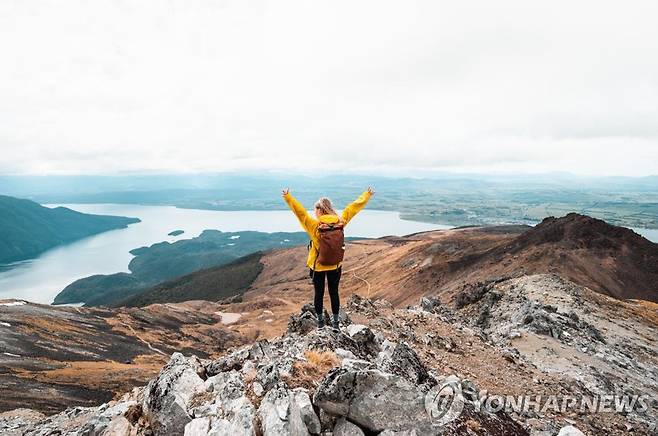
27	229
209	284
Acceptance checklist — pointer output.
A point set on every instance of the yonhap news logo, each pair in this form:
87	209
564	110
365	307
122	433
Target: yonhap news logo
445	402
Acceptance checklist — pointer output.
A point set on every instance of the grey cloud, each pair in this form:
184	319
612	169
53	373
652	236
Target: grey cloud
106	87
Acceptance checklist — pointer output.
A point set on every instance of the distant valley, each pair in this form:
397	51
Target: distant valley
454	199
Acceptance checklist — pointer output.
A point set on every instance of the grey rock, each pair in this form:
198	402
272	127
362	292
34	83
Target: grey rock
243	421
280	414
258	389
205	410
168	395
237	415
345	428
119	426
221	427
249	366
268	375
404	361
109	419
344	354
261	350
411	432
305	407
570	430
327	421
198	427
373	399
329	340
305	322
469	390
364	337
356	364
233	361
430	304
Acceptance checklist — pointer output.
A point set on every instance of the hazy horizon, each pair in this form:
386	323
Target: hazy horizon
265	173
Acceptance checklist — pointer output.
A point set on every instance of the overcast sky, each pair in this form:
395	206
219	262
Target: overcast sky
104	87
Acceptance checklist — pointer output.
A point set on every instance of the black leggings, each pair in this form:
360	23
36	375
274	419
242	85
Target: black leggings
333	278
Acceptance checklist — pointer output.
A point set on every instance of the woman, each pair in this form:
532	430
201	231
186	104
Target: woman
324	214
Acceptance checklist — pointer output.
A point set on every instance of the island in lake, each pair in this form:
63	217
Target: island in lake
165	261
176	232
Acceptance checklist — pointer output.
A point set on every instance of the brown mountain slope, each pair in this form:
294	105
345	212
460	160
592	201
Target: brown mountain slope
607	259
55	357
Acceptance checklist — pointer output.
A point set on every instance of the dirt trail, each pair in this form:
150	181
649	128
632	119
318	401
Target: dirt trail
148	344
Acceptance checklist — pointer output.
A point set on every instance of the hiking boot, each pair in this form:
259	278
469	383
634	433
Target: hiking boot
335	324
320	323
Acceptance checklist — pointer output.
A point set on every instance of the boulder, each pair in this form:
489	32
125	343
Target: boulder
373	399
268	375
302	324
119	426
400	433
233	361
329	340
110	419
260	351
198	427
344	354
168	395
281	414
570	430
364	337
242	421
237	413
305	409
404	361
430	304
345	428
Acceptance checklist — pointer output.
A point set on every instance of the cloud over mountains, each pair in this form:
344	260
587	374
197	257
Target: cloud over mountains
173	86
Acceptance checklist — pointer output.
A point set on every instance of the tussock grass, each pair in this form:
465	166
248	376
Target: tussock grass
308	373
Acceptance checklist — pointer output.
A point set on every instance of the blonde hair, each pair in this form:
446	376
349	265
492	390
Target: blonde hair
325	206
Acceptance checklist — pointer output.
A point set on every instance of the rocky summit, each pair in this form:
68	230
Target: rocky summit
419	370
306	382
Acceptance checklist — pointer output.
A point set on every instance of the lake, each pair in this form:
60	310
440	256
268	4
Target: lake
40	279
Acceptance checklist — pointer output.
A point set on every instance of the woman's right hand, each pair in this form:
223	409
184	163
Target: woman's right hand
285	192
371	191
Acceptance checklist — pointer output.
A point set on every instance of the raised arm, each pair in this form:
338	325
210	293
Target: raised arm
308	224
358	204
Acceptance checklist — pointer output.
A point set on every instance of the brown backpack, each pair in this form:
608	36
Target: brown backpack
332	244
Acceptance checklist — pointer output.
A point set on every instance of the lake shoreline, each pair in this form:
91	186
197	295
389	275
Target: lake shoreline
41	278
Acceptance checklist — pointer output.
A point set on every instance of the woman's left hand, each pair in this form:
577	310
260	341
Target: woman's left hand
285	192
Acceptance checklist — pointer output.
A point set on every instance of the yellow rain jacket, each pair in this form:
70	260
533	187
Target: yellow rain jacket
310	225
